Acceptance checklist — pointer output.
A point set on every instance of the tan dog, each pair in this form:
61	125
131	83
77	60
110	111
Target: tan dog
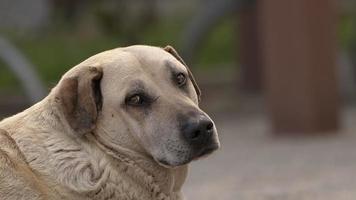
123	124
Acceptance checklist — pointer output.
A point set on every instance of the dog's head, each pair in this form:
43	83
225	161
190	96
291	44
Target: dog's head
140	97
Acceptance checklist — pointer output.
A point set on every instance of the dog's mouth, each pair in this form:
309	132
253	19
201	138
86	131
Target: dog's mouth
195	154
206	151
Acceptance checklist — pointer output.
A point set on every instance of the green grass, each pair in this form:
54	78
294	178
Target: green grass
7	79
56	51
163	32
347	31
54	55
220	46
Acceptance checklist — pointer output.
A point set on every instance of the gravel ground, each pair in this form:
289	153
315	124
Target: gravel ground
255	165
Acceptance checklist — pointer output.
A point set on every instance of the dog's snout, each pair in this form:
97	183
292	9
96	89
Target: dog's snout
198	130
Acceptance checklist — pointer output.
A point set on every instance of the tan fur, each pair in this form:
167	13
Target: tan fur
79	144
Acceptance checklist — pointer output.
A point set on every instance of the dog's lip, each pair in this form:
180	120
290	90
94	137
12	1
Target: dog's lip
165	164
207	150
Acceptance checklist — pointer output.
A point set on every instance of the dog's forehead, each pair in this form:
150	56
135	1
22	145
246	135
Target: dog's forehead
155	58
134	60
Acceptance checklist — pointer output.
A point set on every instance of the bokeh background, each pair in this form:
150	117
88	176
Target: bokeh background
278	78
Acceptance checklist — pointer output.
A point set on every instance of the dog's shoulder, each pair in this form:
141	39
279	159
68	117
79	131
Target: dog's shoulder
8	147
15	174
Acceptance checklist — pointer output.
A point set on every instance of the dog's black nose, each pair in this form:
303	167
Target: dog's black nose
198	130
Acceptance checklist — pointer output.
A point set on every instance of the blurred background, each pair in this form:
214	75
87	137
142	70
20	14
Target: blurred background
278	78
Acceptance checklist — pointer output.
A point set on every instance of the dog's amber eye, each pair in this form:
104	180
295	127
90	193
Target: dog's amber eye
181	79
135	100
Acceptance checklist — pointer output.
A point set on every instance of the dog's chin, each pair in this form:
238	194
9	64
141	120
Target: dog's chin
206	151
174	164
197	154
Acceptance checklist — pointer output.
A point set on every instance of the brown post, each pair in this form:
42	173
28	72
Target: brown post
300	65
250	51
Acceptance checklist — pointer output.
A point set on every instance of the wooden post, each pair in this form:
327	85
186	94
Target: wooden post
300	65
250	49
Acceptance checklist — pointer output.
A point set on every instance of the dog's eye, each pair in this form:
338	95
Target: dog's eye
181	79
135	100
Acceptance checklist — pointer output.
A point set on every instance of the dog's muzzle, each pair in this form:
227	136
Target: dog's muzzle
199	132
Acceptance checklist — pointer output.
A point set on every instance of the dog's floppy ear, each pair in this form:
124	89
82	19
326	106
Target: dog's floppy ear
172	51
80	98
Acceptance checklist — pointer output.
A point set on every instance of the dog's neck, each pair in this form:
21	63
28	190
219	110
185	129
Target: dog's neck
143	167
120	144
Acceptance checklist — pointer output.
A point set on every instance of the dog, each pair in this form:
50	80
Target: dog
123	124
